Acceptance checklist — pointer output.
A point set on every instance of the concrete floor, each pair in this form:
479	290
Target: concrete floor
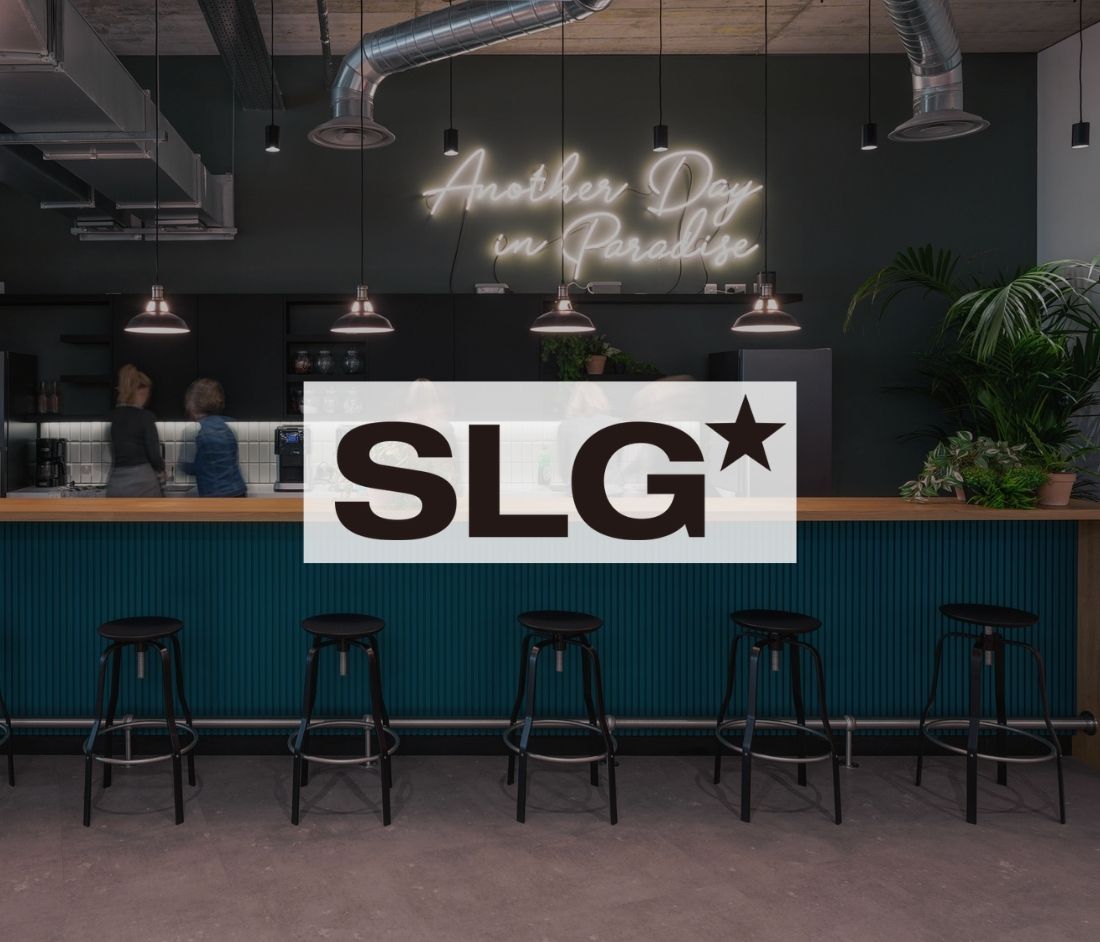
455	865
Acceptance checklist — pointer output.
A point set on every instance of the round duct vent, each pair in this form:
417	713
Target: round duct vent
938	126
347	133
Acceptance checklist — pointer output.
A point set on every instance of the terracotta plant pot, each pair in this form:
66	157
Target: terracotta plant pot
960	494
595	364
1056	490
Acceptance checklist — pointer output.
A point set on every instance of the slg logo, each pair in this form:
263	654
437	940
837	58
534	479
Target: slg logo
438	500
605	472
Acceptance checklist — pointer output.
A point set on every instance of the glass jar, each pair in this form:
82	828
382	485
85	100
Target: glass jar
325	362
353	362
303	362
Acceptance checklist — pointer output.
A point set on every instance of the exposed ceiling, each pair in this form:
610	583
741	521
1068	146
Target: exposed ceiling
628	26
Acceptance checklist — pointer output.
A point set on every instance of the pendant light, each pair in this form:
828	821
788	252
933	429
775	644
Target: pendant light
361	318
271	132
157	318
765	316
869	139
660	129
563	318
450	134
1080	136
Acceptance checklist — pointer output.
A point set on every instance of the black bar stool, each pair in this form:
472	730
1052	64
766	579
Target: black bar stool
6	731
140	633
559	630
771	631
988	649
344	631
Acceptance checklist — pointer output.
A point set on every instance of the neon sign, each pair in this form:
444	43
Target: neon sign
700	211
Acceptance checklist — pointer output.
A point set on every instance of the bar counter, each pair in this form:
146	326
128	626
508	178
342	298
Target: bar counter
874	570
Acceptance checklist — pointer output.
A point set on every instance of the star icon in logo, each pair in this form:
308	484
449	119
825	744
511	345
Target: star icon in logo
745	436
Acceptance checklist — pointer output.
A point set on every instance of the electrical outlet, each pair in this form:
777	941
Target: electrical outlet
710	288
736	289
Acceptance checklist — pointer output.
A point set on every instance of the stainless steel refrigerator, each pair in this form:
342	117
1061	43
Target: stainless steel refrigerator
18	424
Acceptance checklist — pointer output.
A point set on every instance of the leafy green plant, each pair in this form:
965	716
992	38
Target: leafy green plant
1004	488
570	352
947	464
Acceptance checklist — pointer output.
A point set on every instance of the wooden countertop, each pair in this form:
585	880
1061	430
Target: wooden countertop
287	510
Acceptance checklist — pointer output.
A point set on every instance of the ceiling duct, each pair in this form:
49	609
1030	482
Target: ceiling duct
235	29
928	34
459	28
65	95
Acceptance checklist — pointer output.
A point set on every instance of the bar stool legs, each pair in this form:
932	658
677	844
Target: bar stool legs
988	650
8	732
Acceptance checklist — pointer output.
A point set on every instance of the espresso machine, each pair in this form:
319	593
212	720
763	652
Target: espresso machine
289	458
50	468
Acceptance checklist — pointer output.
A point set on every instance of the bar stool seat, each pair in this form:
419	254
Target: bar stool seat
996	616
560	623
773	621
770	631
343	625
141	632
140	628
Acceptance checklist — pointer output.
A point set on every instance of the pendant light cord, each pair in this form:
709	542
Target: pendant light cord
156	143
868	61
765	138
272	61
1081	60
362	198
561	180
660	61
450	91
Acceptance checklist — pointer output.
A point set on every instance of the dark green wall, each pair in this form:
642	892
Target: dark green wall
836	213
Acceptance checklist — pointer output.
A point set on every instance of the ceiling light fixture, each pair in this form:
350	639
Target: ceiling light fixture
450	134
271	132
361	317
766	316
562	318
1079	139
660	129
869	138
157	318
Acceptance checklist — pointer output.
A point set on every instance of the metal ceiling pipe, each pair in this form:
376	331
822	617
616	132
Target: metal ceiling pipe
928	34
235	29
459	28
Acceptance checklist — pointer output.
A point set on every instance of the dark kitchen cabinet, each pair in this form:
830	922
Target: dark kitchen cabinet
493	339
421	345
171	361
240	344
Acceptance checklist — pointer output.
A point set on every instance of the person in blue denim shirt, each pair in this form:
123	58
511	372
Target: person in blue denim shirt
215	466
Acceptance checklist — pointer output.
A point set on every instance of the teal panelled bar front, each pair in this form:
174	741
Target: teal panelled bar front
451	644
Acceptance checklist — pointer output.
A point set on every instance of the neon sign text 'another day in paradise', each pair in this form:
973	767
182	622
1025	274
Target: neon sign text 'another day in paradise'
704	207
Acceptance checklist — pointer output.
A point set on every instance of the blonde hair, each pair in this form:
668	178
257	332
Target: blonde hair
131	381
204	397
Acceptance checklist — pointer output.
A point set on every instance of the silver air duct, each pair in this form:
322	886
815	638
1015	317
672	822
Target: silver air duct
459	28
928	34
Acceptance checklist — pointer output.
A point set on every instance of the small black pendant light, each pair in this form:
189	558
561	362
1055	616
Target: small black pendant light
157	318
869	138
765	316
361	317
563	318
450	134
1080	136
271	132
660	129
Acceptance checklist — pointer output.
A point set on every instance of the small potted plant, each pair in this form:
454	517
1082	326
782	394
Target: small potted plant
1061	472
946	466
597	349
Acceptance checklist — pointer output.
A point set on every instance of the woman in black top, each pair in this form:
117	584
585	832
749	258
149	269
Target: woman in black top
135	447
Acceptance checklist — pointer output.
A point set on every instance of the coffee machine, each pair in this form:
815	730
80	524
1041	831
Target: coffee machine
289	458
50	468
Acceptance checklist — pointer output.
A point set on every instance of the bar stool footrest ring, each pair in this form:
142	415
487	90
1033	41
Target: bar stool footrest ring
775	724
1050	754
5	733
592	728
144	760
394	742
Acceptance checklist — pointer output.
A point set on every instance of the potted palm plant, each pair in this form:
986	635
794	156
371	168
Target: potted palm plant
1016	360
